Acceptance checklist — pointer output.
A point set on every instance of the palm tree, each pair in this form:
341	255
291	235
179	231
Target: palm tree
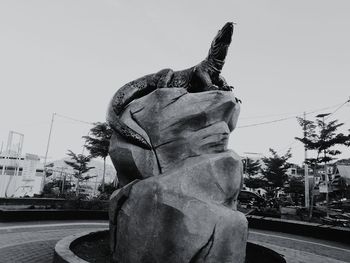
97	143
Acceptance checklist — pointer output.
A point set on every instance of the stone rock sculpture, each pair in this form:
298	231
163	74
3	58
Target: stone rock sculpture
179	182
178	200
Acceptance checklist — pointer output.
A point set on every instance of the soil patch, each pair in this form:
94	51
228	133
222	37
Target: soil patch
95	249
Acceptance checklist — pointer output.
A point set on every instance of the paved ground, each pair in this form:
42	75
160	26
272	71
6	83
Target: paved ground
297	249
34	243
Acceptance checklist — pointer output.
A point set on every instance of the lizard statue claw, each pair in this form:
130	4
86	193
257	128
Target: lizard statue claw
204	76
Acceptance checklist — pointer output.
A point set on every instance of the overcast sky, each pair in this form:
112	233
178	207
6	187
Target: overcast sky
69	57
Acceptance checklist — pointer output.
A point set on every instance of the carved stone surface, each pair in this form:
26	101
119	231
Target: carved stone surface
183	209
178	125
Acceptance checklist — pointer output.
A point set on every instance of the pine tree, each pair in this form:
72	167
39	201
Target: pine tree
80	166
253	180
275	169
252	167
322	137
97	143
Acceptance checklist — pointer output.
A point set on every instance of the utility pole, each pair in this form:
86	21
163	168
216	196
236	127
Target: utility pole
326	179
326	174
63	179
327	185
306	170
47	151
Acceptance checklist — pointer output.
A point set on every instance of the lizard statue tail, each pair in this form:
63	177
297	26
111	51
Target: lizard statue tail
219	47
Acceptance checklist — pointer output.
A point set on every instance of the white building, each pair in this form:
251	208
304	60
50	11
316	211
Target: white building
20	176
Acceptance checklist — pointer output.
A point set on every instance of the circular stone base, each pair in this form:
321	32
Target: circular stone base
93	247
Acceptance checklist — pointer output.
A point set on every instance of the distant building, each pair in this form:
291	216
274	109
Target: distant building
292	171
20	175
297	171
342	171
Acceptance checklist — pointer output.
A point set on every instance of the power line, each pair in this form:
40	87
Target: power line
73	119
293	142
291	113
30	124
327	108
341	106
267	116
266	122
46	122
294	116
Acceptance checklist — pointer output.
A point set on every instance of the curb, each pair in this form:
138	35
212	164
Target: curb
63	252
321	231
50	214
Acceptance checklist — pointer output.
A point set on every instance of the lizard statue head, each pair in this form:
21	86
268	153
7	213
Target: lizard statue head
219	47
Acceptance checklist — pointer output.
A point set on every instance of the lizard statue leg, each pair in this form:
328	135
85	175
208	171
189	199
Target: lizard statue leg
222	84
202	80
206	82
165	78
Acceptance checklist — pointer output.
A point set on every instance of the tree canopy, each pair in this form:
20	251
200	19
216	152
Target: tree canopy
80	166
252	167
97	142
54	187
275	168
322	136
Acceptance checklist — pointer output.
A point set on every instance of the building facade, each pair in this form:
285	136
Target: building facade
20	175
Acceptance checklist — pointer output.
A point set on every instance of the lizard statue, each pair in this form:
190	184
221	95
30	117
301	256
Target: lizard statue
204	76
